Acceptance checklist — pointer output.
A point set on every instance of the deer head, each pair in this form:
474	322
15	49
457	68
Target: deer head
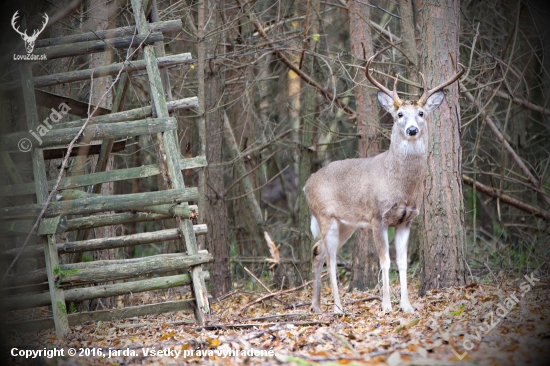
409	116
29	40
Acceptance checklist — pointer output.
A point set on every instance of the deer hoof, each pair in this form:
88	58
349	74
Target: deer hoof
407	308
338	310
316	309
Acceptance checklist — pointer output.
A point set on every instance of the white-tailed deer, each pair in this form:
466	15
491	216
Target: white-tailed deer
377	193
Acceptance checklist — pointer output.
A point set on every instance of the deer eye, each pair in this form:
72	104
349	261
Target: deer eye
399	114
421	114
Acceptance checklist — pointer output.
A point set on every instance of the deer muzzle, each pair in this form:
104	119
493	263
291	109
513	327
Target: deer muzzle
412	131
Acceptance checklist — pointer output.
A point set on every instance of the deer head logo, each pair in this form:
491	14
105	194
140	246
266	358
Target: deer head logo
29	40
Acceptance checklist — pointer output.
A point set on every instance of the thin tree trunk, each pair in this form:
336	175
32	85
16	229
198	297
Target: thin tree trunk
365	266
101	12
215	207
408	37
442	250
307	133
408	26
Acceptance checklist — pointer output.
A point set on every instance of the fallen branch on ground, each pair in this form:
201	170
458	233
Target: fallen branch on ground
273	294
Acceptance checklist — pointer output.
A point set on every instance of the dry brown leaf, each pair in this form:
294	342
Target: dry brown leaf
273	250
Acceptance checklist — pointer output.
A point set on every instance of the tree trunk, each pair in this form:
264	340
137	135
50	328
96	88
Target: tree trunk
408	34
307	133
365	265
215	207
442	250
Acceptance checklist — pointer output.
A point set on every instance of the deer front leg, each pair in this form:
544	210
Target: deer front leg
401	241
380	235
319	255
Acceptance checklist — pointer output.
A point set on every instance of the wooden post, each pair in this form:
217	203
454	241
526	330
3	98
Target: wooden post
57	297
173	162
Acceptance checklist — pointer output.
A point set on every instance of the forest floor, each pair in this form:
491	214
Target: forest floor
504	321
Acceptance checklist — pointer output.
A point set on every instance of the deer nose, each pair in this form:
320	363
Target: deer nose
412	131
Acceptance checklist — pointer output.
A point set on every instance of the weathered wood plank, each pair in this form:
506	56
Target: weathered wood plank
96	131
83	48
123	218
39	276
109	70
133	114
172	157
86	180
145	266
118	241
78	108
105	315
101	177
89	293
91	149
168	26
120	202
105	243
130	115
57	298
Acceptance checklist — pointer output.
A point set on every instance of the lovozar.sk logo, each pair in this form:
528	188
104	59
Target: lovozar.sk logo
29	40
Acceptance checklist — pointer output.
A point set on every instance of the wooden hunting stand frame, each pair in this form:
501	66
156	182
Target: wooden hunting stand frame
66	282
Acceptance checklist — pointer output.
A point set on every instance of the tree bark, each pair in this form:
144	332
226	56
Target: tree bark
215	207
102	13
442	250
307	134
365	265
408	35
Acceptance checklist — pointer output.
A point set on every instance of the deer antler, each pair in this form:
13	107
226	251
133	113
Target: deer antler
427	93
37	32
393	93
13	19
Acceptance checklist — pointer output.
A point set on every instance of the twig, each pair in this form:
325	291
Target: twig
535	183
364	300
258	188
252	325
257	279
305	77
268	296
495	193
250	172
345	342
280	316
294	306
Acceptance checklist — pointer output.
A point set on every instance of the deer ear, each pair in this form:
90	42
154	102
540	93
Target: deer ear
433	102
386	102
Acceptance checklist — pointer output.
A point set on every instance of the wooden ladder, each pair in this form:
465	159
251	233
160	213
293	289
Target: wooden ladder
169	203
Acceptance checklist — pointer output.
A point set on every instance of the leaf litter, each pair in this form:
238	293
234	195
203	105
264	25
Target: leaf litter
478	324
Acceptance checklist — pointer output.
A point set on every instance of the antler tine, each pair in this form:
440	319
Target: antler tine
427	93
36	31
46	18
16	28
393	93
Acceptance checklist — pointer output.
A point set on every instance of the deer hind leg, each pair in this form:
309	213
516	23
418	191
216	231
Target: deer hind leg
401	240
336	236
380	235
319	255
333	239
